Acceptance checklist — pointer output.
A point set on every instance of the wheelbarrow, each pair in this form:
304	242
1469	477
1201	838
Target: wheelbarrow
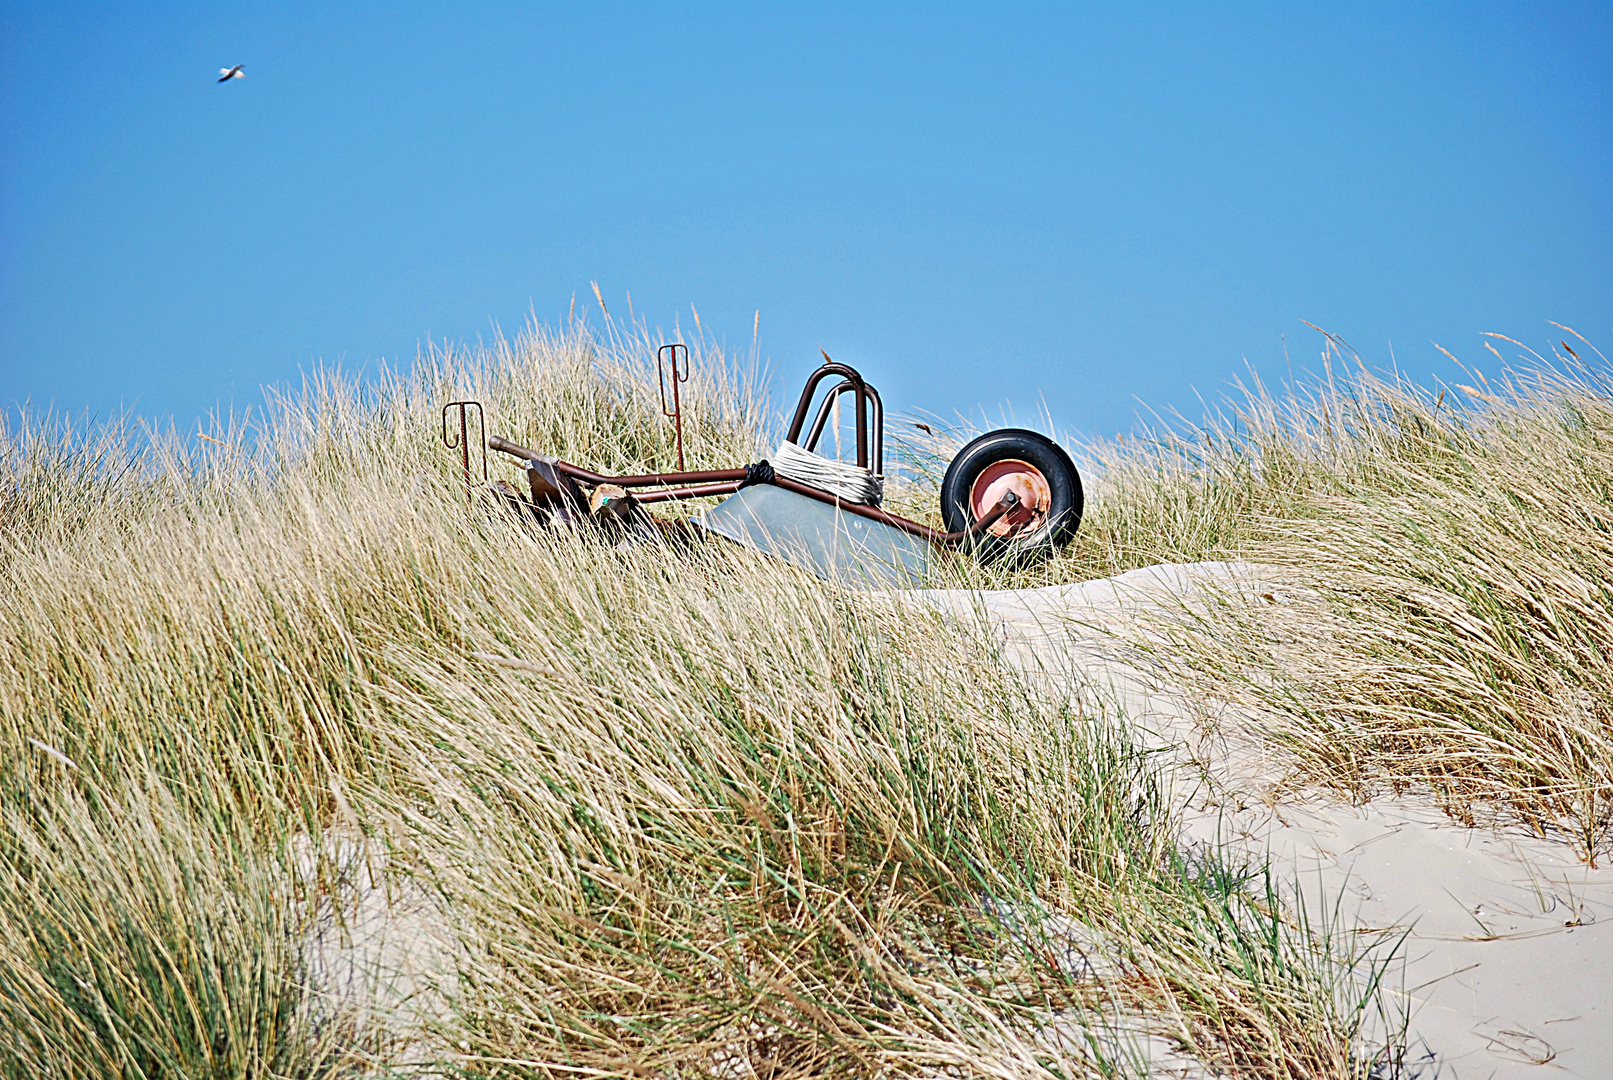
1010	496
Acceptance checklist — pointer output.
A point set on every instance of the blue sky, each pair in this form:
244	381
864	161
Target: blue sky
981	206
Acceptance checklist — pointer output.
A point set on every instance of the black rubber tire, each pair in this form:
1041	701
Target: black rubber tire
1064	490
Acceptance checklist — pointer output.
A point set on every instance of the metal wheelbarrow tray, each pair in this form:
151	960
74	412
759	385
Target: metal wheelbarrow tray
1010	495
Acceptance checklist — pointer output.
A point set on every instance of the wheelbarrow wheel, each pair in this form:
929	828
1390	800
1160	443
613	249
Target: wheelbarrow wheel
1033	467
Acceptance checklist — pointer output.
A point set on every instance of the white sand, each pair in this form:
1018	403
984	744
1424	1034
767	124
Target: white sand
379	951
1507	965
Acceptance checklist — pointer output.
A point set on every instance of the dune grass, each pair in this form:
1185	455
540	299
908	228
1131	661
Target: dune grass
1443	559
665	812
1441	567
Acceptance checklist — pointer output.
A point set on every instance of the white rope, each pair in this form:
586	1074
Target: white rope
840	478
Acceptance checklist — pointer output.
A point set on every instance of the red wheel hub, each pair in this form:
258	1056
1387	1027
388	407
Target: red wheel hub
1024	480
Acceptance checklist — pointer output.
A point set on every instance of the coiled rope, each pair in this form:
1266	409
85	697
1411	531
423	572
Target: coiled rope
847	482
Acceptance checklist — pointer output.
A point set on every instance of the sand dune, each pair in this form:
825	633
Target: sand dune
1506	968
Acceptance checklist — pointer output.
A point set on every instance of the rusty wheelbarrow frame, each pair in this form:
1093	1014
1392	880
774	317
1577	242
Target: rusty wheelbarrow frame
556	486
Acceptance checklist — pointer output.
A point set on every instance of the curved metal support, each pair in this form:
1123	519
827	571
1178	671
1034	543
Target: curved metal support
846	386
852	383
829	368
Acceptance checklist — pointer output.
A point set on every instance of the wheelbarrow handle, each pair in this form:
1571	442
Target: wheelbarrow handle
707	476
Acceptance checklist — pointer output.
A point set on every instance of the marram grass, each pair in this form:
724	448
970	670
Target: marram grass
1445	565
664	813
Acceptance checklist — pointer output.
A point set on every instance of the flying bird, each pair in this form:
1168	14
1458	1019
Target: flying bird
226	74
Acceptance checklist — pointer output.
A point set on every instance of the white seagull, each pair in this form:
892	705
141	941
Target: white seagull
226	74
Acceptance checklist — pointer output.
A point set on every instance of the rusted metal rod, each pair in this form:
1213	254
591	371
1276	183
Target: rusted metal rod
651	479
1005	505
589	477
463	442
699	491
676	411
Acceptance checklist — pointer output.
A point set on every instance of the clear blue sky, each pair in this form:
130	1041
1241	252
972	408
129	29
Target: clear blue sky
978	205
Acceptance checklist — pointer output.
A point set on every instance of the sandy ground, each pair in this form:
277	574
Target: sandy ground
378	949
1506	968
